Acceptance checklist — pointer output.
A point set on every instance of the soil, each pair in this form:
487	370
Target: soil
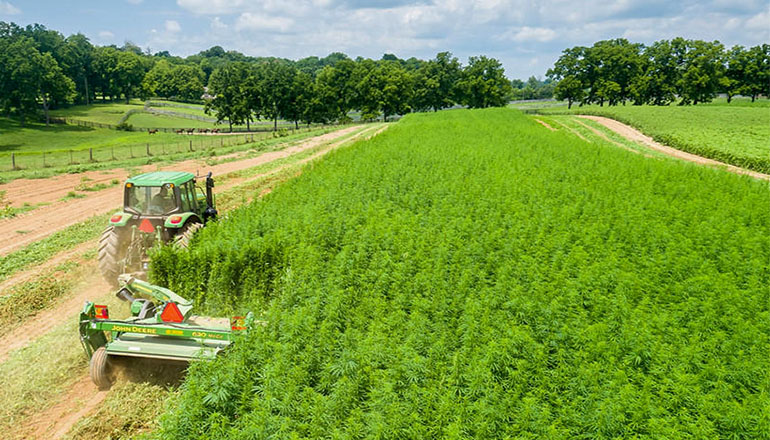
544	124
57	259
575	132
604	136
93	286
83	397
39	223
637	136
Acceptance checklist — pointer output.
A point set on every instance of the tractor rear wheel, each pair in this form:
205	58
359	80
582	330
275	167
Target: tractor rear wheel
186	234
111	252
99	369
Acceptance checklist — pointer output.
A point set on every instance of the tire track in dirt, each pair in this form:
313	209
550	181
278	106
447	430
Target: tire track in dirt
83	398
28	275
606	138
90	287
544	124
53	423
22	230
635	135
571	130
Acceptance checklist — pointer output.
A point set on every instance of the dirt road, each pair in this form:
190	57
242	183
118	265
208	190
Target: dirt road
27	228
82	398
639	137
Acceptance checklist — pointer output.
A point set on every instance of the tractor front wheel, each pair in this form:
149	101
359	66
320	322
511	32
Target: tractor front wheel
99	368
111	252
185	235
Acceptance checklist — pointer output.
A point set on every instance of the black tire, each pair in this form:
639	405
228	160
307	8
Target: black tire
111	250
185	235
99	369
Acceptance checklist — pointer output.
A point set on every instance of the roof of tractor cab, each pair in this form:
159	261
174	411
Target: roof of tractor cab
159	178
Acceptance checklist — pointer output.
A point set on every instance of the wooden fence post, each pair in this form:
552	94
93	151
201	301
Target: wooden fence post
191	145
90	154
13	161
112	149
43	159
70	157
148	150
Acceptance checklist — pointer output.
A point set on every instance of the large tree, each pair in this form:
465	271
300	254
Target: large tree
79	53
483	83
276	82
31	78
757	75
701	73
435	82
230	102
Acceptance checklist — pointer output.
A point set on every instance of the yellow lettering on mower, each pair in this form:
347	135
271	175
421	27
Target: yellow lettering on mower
133	329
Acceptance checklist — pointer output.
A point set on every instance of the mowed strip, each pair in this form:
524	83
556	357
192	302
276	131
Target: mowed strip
57	420
95	285
19	231
635	135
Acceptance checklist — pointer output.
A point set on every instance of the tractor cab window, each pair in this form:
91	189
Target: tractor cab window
151	200
187	192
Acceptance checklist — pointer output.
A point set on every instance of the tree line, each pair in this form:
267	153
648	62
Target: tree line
690	71
41	68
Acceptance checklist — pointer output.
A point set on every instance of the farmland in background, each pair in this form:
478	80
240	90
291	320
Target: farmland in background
471	274
735	133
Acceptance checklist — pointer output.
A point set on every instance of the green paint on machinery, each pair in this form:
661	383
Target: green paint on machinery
158	207
161	327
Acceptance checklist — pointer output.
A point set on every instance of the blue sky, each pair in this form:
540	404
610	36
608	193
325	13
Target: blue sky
526	35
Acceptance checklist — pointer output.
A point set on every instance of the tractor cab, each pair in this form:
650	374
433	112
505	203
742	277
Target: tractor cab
158	207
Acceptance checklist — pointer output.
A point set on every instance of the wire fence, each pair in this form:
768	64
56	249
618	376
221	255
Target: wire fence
253	128
187	144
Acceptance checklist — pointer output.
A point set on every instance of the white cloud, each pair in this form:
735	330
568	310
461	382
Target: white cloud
8	9
206	7
106	35
537	34
218	25
526	36
760	21
257	22
173	26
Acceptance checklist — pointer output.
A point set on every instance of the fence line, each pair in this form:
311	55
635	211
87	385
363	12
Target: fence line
60	158
255	128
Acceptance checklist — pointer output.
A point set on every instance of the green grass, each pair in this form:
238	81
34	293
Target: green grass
167	121
42	250
170	148
128	410
36	137
469	274
32	378
103	113
737	133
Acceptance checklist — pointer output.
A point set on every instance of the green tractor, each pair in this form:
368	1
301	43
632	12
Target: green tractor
158	207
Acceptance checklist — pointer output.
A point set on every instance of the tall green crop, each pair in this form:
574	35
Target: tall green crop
470	274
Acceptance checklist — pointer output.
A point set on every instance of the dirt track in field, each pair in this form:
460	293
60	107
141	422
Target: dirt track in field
56	421
83	398
544	124
635	135
39	223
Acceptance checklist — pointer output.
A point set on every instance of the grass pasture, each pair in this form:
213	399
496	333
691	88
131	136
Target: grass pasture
102	113
471	274
735	133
